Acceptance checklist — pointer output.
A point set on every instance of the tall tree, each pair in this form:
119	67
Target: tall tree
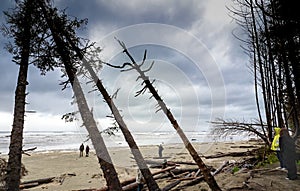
210	180
29	47
68	59
74	43
20	27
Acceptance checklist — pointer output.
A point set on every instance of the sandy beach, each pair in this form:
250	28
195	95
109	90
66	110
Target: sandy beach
72	172
84	172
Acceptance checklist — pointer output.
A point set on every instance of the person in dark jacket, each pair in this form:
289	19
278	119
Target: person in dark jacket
87	150
81	148
288	151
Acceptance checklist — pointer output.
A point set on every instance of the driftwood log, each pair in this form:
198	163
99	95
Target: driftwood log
37	182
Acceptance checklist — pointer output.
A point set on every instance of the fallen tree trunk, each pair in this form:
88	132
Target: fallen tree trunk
29	185
33	183
40	181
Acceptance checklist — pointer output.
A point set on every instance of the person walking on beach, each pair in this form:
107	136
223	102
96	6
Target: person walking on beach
160	150
288	151
87	150
81	148
275	147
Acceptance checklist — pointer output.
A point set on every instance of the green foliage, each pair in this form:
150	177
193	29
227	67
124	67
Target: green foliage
270	158
235	169
41	45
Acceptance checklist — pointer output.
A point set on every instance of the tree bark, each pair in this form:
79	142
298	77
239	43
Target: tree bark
16	139
104	159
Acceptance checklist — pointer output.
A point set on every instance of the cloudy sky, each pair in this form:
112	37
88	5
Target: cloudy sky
200	70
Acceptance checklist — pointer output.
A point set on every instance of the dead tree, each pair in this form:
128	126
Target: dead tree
225	128
147	84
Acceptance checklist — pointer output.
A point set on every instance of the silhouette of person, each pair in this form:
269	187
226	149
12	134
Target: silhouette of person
287	148
81	148
160	150
87	150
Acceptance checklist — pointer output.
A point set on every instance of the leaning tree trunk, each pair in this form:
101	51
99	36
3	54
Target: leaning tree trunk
210	180
151	183
105	161
16	138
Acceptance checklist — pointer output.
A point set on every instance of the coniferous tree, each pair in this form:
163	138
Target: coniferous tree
29	46
73	43
69	60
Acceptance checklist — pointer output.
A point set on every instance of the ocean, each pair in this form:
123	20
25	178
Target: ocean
71	140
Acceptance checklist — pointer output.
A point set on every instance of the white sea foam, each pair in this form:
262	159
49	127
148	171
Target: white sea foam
70	140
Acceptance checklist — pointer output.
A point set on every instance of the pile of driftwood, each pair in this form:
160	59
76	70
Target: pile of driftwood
178	177
182	177
175	174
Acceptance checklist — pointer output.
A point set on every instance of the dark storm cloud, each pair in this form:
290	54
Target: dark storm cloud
123	13
188	86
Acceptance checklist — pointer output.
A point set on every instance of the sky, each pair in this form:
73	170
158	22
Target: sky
199	68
